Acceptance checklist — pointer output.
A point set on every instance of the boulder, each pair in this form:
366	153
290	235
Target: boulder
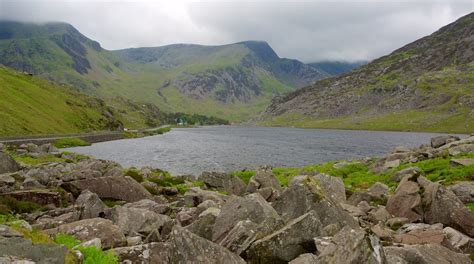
204	223
240	237
91	205
7	183
464	191
301	198
462	162
88	229
150	206
41	197
135	221
289	242
439	141
118	188
332	187
352	246
413	172
223	182
186	216
7	164
382	232
186	247
306	258
152	253
21	248
194	196
6	231
252	207
380	214
424	254
420	236
378	190
406	202
459	240
443	206
466	148
265	180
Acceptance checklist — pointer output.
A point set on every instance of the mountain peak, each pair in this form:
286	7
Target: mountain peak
262	49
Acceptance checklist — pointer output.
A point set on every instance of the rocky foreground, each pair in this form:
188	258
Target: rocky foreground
144	216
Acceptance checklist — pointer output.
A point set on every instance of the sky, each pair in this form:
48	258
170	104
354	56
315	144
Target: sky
310	31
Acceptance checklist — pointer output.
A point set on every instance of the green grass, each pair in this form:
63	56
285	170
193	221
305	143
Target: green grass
244	175
135	174
12	205
470	206
27	160
92	255
66	240
70	142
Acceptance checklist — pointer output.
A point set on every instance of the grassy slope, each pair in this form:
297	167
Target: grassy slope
30	105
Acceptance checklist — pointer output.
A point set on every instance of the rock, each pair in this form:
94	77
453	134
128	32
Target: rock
21	248
150	206
186	247
15	260
204	223
264	178
6	231
135	221
420	236
118	188
352	246
194	196
134	240
252	207
152	253
364	206
91	205
223	182
88	229
443	206
462	162
464	191
439	141
396	222
413	172
240	237
378	190
30	183
418	226
306	258
406	202
466	148
41	197
95	242
401	149
7	164
7	183
48	148
459	240
332	187
205	205
425	254
185	218
382	232
299	199
353	210
289	242
379	215
169	191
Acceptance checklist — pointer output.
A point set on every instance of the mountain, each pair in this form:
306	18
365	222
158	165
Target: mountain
427	85
31	105
233	81
336	67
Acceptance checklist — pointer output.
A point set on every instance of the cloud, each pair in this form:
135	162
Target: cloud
305	30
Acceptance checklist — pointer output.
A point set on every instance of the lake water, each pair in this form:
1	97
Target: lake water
229	148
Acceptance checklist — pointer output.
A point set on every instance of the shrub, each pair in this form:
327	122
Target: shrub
70	142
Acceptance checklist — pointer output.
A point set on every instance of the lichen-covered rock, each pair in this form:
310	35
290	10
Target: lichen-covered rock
332	187
21	248
413	172
252	207
135	221
289	242
439	141
265	181
149	205
203	225
152	253
306	258
42	197
194	196
353	246
424	254
459	240
119	188
223	182
186	247
464	191
301	198
7	164
87	229
91	205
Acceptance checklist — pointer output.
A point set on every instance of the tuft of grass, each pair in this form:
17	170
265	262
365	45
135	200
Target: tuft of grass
132	172
70	142
27	160
93	255
470	206
244	175
66	240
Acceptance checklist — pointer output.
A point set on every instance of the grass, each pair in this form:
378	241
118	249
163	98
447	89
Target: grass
27	160
135	174
70	142
12	205
245	175
470	206
92	255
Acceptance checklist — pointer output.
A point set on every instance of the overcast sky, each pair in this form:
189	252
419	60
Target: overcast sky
306	30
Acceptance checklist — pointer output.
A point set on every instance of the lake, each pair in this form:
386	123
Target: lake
229	148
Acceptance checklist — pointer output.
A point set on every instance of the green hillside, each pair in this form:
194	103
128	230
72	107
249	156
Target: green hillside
30	105
427	85
233	81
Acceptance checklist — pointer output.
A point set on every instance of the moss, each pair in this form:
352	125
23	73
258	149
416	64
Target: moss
315	188
70	142
19	207
27	160
132	172
470	206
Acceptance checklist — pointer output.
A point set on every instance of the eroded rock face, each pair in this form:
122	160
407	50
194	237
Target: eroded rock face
424	254
464	191
301	198
205	222
135	221
7	164
252	207
91	205
332	187
113	187
289	242
186	247
223	182
352	246
87	229
459	240
265	183
406	202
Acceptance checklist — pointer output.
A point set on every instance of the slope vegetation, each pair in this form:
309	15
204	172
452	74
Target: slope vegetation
427	85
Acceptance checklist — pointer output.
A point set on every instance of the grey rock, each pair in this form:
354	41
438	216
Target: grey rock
223	182
91	205
466	148
7	164
194	196
30	183
332	187
459	240
462	162
425	254
406	202
150	206
264	178
135	221
252	207
439	141
6	231
378	190
289	242
306	258
379	214
151	253
413	172
464	191
88	229
204	223
240	237
186	247
22	248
